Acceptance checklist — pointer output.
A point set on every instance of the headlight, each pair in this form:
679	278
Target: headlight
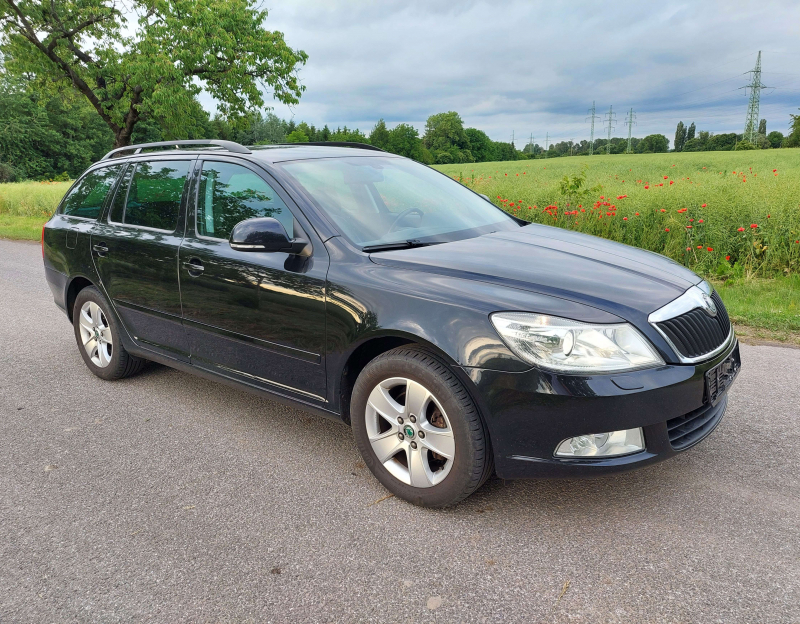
565	345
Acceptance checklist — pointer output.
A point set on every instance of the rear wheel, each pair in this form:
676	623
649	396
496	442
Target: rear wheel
418	430
98	337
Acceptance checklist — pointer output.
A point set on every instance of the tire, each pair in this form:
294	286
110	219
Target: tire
98	336
448	421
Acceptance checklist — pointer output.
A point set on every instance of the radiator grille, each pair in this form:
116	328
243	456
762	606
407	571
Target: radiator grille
696	332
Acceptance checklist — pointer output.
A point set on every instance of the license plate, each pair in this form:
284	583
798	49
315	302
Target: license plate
720	378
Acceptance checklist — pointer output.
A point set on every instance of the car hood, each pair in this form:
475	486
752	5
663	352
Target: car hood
623	280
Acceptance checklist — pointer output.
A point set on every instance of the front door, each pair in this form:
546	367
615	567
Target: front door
135	248
253	316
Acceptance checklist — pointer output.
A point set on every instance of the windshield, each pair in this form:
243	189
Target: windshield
381	200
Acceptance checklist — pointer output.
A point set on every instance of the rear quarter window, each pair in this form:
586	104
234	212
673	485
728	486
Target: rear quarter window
87	196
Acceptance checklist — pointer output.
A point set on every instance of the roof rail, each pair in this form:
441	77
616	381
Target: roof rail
366	146
230	146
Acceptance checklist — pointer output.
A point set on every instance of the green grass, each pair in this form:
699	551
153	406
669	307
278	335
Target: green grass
26	206
21	228
764	308
713	200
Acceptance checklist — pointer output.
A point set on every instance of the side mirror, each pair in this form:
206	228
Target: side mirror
266	234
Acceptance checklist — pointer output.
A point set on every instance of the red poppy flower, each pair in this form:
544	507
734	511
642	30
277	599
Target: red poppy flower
688	249
727	258
754	225
580	205
662	184
666	229
666	177
740	230
699	246
637	214
710	248
602	197
691	220
506	174
774	170
700	221
768	216
647	187
703	205
688	227
672	181
624	218
663	210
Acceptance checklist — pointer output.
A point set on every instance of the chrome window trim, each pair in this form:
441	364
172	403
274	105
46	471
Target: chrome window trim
690	300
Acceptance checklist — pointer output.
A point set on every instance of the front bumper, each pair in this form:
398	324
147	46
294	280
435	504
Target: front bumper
528	414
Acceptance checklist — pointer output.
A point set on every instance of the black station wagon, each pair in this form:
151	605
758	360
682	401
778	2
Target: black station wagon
456	340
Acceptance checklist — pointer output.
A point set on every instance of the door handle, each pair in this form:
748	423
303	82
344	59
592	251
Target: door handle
194	266
101	249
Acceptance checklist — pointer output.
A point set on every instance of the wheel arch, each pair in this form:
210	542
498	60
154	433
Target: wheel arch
373	346
76	285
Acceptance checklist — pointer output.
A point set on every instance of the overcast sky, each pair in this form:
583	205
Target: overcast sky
535	67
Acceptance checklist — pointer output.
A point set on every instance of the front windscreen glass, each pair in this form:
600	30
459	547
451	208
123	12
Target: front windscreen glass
383	200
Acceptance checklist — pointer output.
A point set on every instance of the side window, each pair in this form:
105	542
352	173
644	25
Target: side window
121	196
86	199
231	193
154	197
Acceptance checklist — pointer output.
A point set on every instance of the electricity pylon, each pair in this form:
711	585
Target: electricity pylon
630	120
546	144
610	121
755	86
591	140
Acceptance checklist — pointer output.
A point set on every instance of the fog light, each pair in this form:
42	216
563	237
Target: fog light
609	444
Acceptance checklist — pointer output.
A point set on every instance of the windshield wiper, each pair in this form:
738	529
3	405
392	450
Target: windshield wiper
406	244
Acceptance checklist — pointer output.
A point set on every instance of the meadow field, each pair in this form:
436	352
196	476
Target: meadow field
719	213
734	217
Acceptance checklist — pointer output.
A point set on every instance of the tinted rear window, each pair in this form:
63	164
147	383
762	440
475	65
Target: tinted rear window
154	198
86	198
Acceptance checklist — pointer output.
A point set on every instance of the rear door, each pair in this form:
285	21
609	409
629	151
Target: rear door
253	316
135	248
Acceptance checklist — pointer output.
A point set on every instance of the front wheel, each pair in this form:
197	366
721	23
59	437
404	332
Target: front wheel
418	430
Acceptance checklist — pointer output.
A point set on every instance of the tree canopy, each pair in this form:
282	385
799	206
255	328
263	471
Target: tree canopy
177	48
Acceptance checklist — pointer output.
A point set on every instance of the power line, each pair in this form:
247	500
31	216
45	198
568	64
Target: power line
755	86
630	121
610	121
592	117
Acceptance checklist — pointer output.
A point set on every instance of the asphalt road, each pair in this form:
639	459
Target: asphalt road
167	498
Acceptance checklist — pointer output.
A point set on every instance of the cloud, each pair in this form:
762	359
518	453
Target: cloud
535	67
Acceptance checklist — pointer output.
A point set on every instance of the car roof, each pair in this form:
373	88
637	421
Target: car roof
263	153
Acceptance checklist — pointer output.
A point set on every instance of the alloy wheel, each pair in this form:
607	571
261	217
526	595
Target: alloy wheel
96	334
409	432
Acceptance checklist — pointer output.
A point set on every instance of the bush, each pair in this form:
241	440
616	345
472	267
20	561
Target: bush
9	173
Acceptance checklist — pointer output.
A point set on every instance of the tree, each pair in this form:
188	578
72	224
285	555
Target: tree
690	132
297	136
480	145
793	140
762	127
653	144
42	137
379	137
345	135
177	48
404	140
446	139
680	136
775	138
